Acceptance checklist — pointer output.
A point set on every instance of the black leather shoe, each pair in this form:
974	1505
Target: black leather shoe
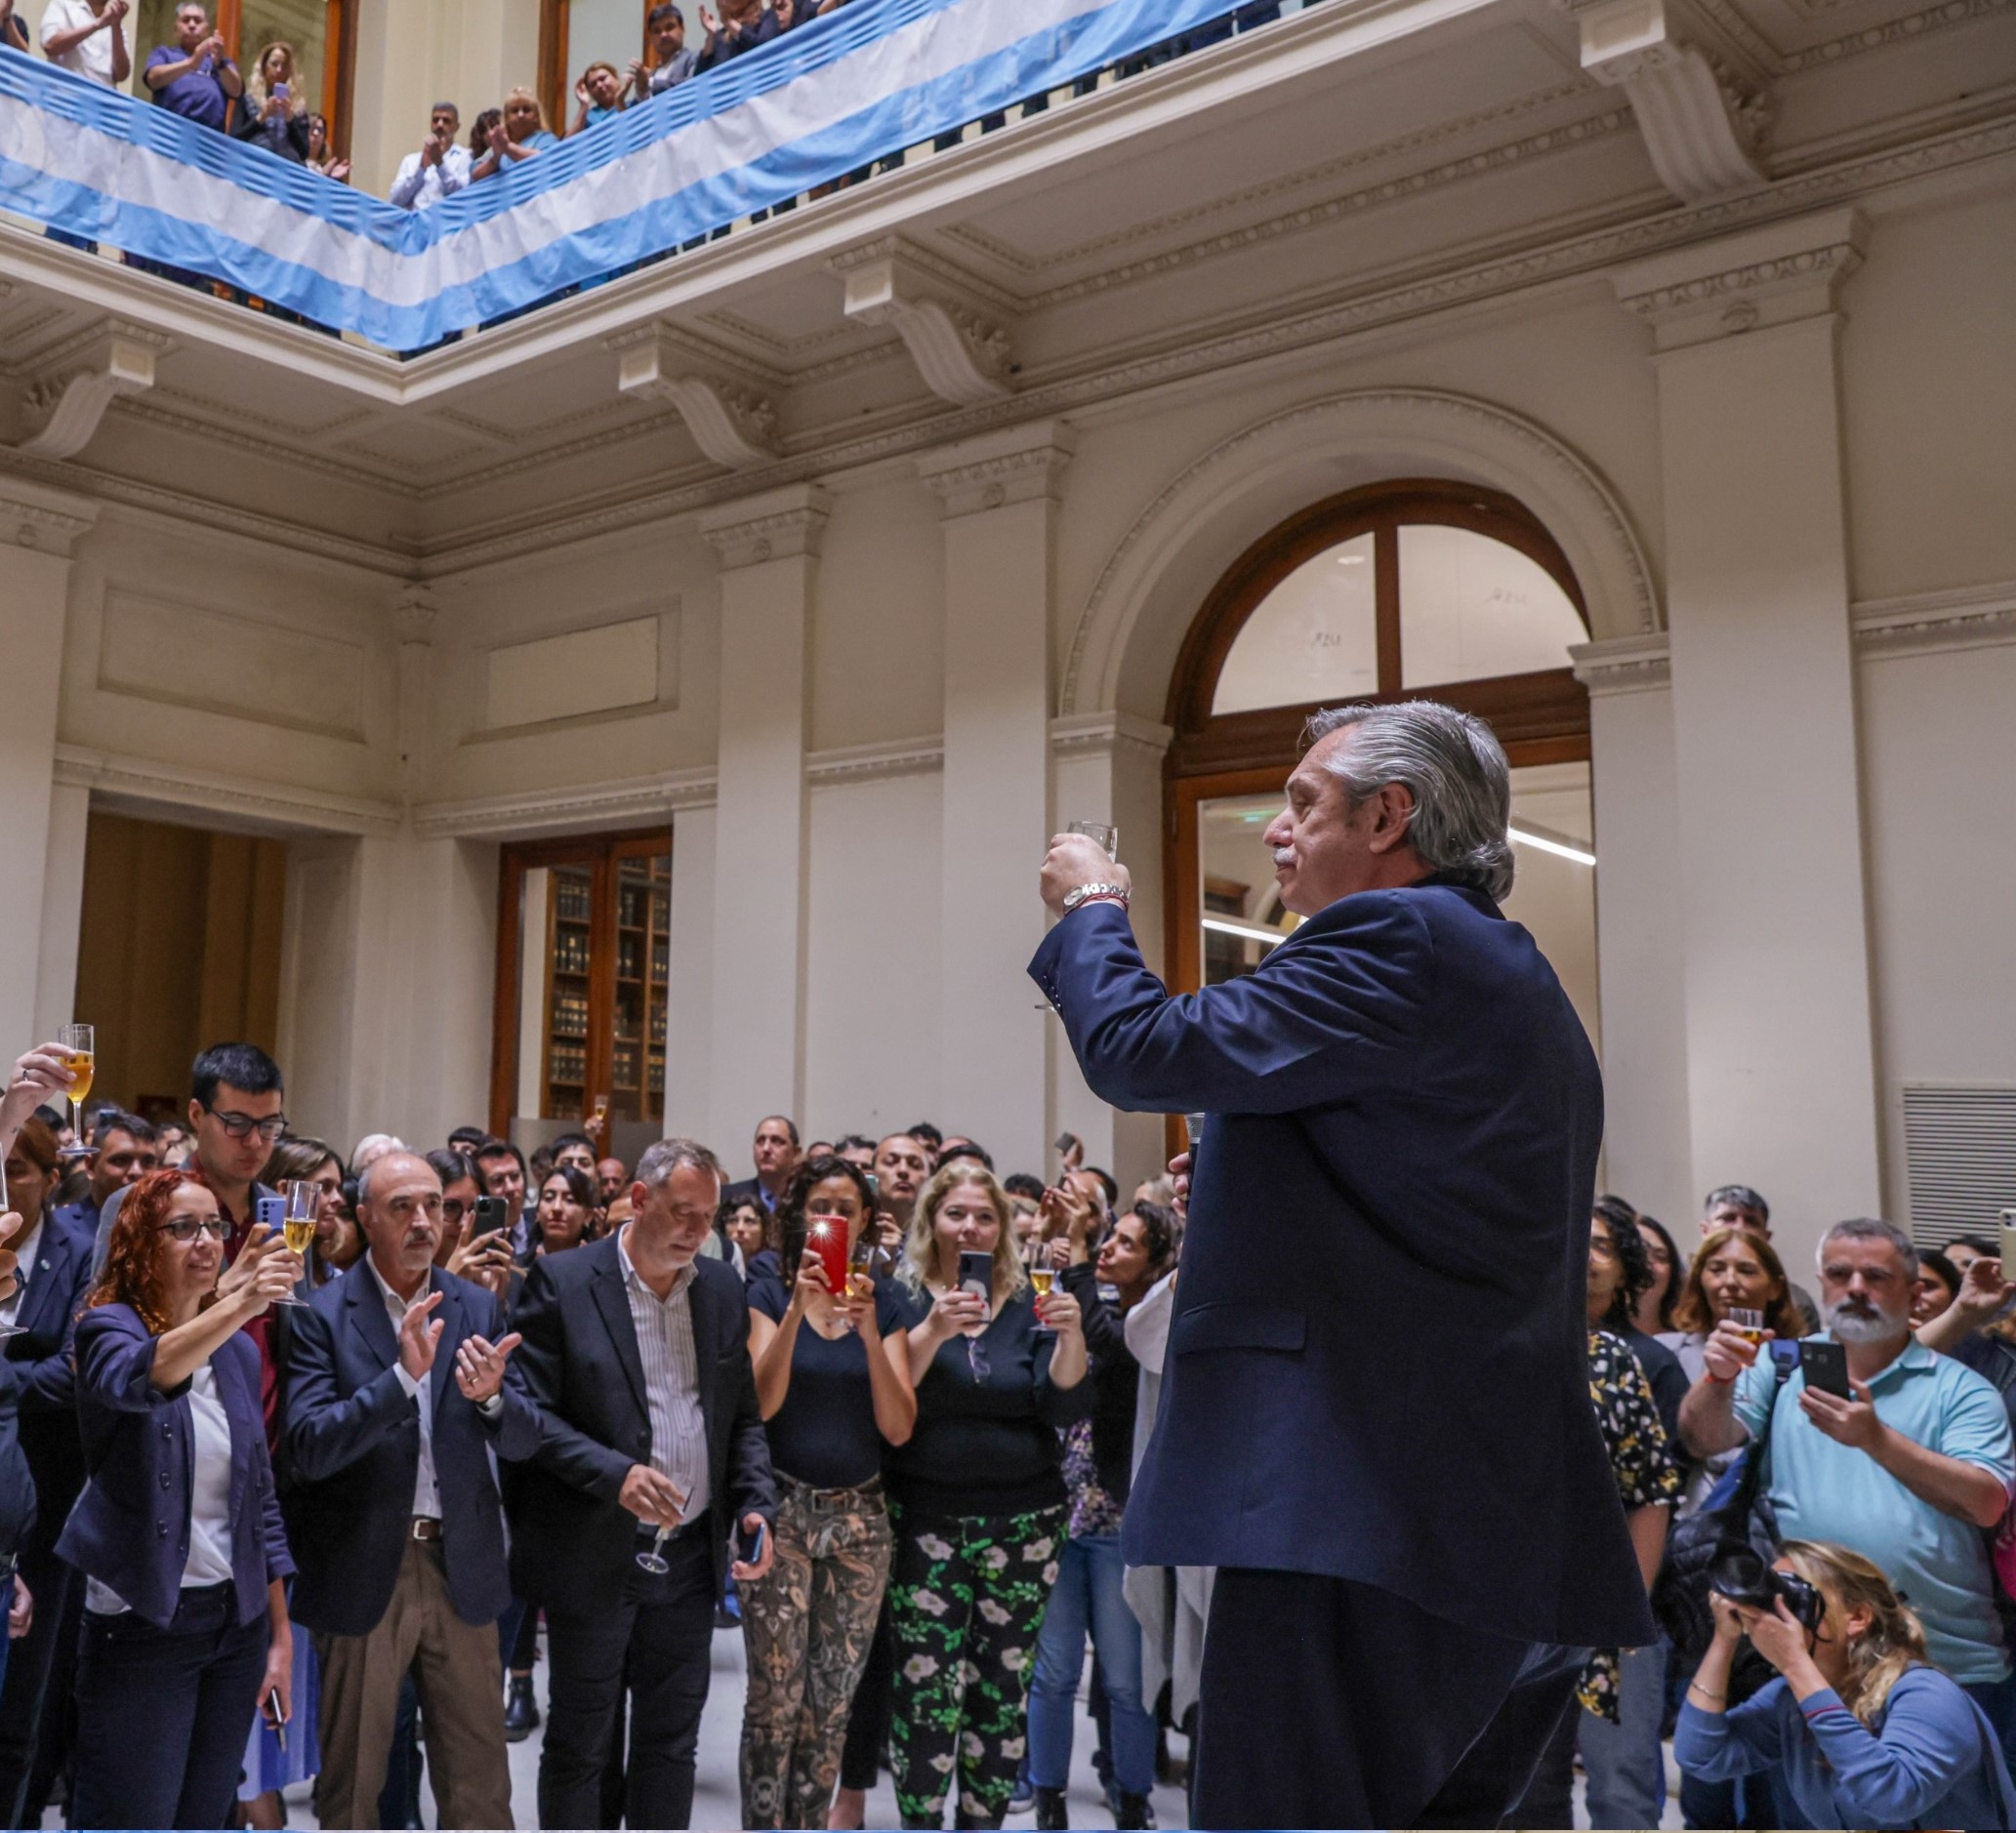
1050	1812
1134	1811
520	1712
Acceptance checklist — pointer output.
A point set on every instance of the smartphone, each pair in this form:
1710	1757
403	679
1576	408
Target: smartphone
748	1546
1065	1141
281	94
874	1188
976	1276
1826	1368
274	1717
272	1212
489	1215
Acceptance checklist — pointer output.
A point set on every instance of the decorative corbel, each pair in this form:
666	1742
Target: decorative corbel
731	424
65	402
1702	123
963	356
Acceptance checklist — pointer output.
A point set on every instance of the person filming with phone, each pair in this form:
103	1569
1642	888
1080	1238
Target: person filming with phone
1861	1728
1879	1446
1412	1527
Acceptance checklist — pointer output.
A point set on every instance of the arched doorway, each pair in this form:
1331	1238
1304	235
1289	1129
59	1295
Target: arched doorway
1410	589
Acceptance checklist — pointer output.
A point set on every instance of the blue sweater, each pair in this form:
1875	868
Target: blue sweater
1932	1762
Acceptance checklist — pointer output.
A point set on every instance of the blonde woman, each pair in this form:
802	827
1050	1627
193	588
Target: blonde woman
274	111
976	1495
1864	1731
520	135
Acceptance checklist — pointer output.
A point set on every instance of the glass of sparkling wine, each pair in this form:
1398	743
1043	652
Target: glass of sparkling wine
1042	1275
654	1561
1750	1323
79	1044
1100	833
298	1227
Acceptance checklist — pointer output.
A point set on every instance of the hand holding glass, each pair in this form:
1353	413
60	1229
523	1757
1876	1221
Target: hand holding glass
1099	835
297	1226
80	1057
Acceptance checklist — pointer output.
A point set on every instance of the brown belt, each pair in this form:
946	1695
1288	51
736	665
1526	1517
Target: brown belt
427	1528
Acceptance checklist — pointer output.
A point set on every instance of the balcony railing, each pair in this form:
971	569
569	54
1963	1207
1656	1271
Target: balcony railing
874	86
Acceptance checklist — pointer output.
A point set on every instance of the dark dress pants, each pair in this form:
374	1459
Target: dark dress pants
658	1637
868	1724
30	1697
1328	1704
163	1715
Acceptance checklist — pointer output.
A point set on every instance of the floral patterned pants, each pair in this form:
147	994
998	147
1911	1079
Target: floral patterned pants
808	1626
966	1600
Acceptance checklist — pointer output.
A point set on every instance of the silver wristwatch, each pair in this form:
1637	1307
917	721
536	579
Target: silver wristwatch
1077	894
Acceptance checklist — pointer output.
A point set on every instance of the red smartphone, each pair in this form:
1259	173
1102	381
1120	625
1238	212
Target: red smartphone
828	1238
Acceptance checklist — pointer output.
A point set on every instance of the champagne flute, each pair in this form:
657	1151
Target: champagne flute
79	1044
654	1561
1036	1257
297	1225
9	1330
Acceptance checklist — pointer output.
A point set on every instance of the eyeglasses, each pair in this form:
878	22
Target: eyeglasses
185	1228
241	1126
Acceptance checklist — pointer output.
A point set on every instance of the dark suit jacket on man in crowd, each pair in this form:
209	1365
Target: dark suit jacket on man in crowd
1378	1363
575	1543
354	1453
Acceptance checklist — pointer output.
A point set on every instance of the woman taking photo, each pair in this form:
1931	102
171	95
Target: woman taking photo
977	1498
833	1379
274	111
1860	1726
1099	1459
178	1531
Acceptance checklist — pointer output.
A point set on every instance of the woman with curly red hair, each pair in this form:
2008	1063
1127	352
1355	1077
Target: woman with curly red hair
178	1531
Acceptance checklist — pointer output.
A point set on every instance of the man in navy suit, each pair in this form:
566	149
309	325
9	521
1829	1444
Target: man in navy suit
399	1391
1374	1418
636	1351
123	1151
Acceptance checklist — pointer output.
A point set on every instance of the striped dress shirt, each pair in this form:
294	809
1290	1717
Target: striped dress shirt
671	1379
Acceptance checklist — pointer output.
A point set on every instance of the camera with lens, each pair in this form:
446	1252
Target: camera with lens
1744	1577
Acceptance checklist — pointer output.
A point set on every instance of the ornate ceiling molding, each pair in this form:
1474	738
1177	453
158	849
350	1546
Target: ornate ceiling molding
963	356
1765	277
48	520
259	801
1940	18
863	763
778	525
1702	124
1023	465
1971	617
65	403
580	808
732	425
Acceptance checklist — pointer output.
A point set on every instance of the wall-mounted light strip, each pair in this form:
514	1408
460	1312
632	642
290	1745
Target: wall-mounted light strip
1576	853
1252	933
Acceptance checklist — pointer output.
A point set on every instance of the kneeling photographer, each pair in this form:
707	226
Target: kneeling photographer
1862	1728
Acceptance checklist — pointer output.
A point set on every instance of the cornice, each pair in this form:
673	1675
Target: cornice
1968	617
1774	274
32	516
1912	25
579	809
777	525
256	799
1023	465
864	763
1623	665
1102	734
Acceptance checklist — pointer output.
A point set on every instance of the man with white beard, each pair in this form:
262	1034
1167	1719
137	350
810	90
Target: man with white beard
1908	1471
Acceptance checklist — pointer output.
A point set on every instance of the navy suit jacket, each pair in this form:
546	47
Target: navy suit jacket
131	1526
352	1441
46	1381
575	1540
1378	1363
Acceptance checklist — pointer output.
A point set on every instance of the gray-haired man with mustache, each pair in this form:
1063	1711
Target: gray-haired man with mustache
1908	1471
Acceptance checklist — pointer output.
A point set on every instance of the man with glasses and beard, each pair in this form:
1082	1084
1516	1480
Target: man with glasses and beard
1908	1471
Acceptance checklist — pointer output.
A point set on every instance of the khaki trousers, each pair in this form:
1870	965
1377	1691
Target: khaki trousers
458	1673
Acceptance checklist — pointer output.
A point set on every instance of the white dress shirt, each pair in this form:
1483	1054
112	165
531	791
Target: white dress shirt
421	186
93	57
671	1379
426	1493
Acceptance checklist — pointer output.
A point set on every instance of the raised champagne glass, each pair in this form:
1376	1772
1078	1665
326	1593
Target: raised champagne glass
298	1227
1100	834
1042	1275
79	1045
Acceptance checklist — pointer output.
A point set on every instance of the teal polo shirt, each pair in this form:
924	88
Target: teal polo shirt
1824	1490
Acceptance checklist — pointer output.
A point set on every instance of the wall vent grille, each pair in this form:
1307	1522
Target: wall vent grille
1960	1147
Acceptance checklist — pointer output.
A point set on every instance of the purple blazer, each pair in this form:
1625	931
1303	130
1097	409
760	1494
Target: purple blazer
130	1528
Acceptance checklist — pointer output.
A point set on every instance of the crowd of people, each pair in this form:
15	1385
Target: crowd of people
272	1512
283	1515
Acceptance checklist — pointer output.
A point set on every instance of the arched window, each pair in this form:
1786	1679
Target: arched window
1416	589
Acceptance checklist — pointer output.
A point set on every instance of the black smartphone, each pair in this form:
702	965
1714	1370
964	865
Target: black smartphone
748	1544
489	1215
274	1717
874	1187
1826	1368
976	1276
1065	1141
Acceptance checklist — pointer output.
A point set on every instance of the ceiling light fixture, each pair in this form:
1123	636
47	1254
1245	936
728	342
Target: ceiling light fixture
1576	853
1252	933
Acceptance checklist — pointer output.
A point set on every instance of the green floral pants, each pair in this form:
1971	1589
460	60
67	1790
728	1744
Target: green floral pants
967	1600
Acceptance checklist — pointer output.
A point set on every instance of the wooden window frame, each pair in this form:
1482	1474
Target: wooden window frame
555	84
1540	718
338	65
